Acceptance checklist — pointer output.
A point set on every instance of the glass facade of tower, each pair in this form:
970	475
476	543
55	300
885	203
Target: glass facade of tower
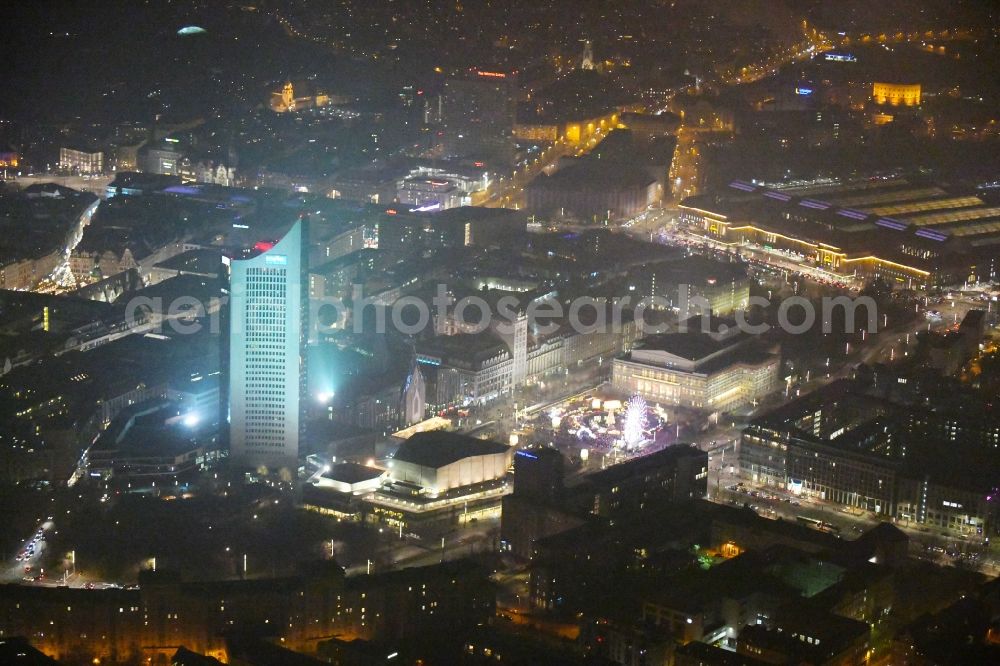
268	317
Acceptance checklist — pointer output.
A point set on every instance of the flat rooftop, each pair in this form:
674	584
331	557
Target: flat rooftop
201	261
438	448
468	347
891	206
351	473
637	466
583	175
691	345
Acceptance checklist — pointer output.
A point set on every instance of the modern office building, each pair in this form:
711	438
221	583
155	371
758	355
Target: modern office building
537	507
478	109
674	474
467	179
402	231
268	322
927	465
430	194
156	439
539	474
694	286
163	157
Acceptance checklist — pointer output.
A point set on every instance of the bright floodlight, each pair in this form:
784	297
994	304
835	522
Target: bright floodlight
325	397
191	420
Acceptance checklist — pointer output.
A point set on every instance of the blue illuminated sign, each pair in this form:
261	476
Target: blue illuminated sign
276	260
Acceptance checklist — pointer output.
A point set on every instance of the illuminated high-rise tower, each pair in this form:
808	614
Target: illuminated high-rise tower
268	325
478	112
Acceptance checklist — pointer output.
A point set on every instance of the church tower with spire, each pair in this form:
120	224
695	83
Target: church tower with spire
414	395
588	55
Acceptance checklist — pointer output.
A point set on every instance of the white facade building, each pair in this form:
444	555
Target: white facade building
701	370
351	479
81	161
440	461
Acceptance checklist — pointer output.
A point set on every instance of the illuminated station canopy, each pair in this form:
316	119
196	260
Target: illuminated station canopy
915	233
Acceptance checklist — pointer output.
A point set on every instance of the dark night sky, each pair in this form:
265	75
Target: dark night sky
102	60
113	60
